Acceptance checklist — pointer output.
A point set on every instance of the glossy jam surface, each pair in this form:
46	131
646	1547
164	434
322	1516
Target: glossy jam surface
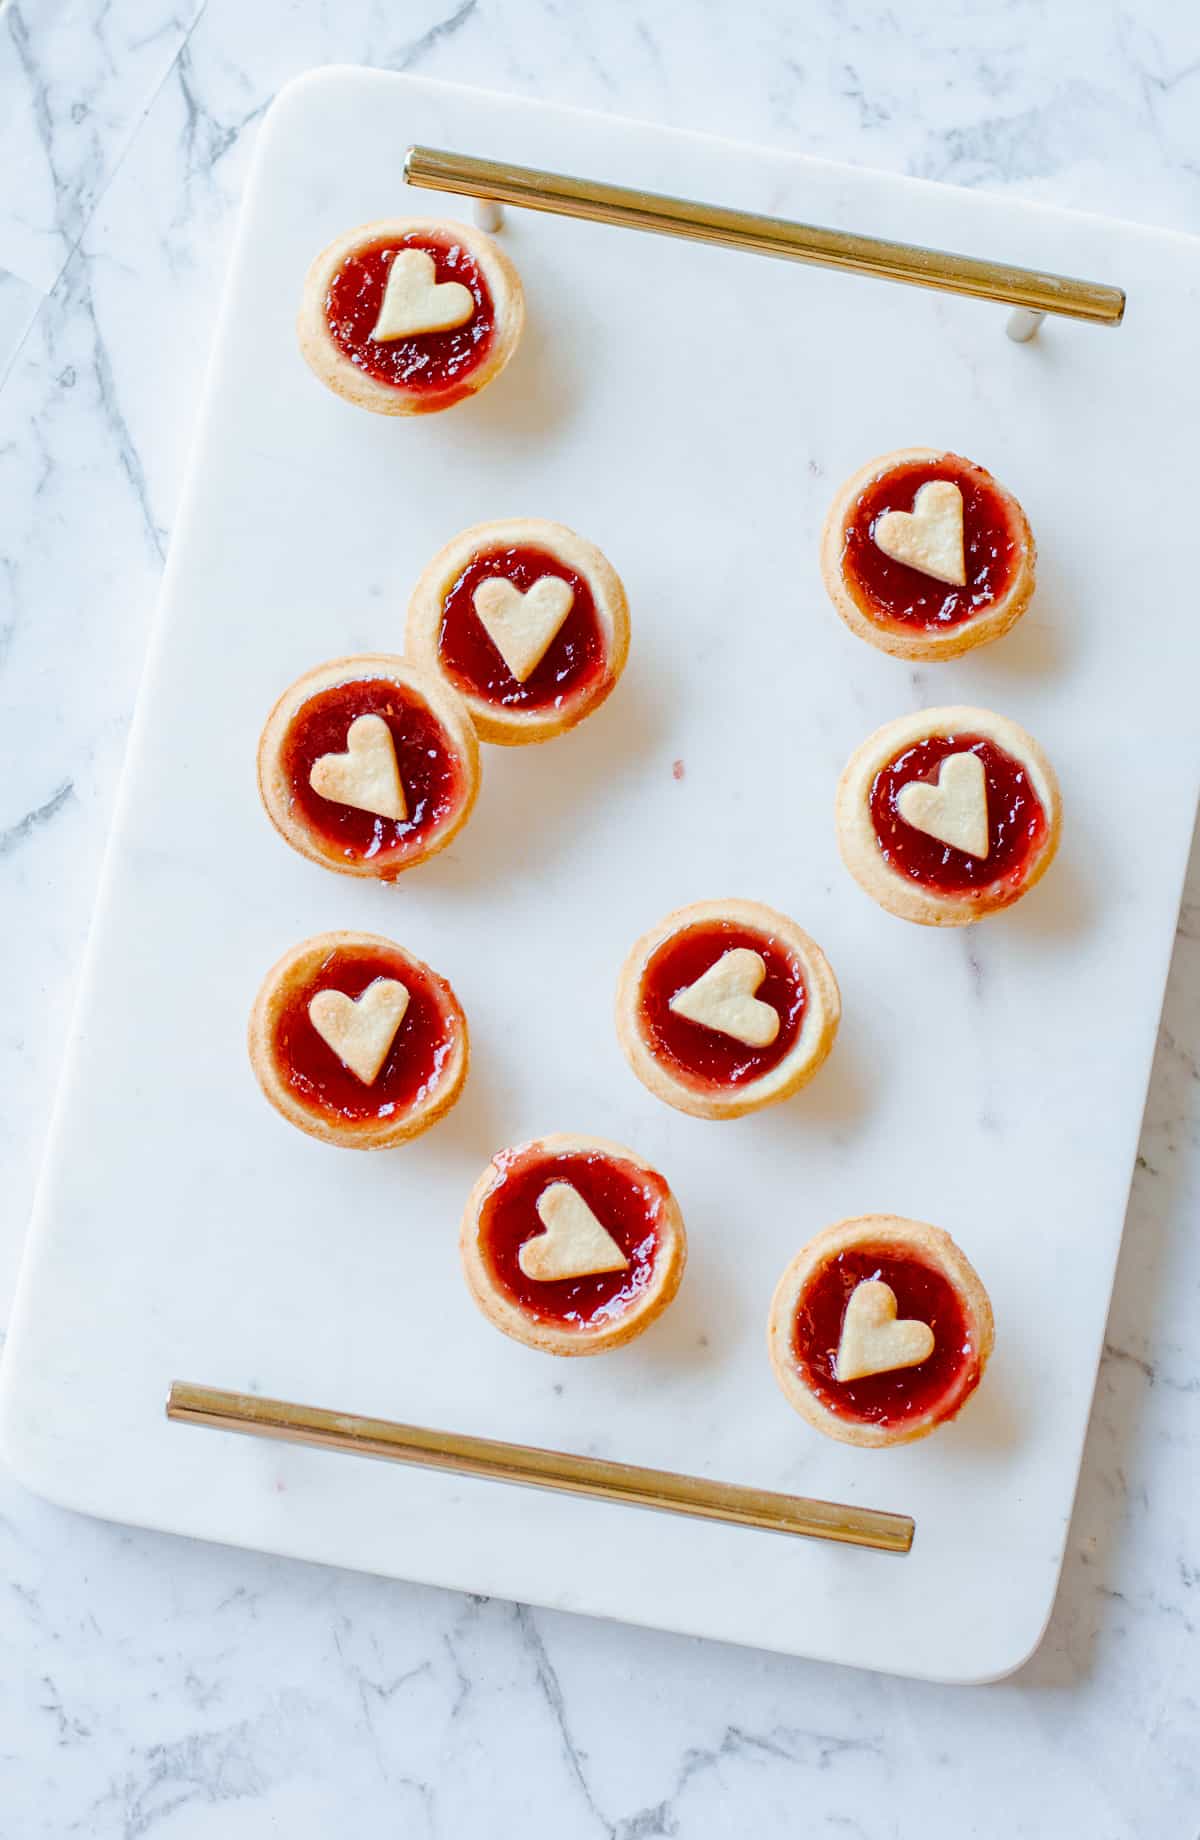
430	771
704	1057
628	1202
575	662
1016	820
417	1058
892	591
433	362
939	1384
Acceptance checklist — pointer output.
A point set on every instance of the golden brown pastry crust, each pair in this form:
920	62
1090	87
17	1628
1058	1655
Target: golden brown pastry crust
914	1236
290	974
894	636
859	844
823	1012
275	788
508	1316
513	727
328	361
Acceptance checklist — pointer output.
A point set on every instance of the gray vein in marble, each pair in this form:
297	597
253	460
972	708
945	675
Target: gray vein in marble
1151	1370
806	1750
211	1767
73	50
435	35
1009	148
17	833
552	1693
128	456
206	140
18	32
462	1680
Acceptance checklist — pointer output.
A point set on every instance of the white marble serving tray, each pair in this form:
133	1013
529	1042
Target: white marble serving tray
991	1080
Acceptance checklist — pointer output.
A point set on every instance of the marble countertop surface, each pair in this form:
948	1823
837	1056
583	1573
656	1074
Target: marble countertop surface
153	1684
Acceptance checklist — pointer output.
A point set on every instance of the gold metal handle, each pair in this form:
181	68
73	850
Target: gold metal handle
540	1469
440	171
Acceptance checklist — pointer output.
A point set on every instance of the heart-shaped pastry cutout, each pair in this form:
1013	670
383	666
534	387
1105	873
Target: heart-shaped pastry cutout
723	998
414	301
367	775
930	536
574	1245
954	809
360	1030
873	1340
523	627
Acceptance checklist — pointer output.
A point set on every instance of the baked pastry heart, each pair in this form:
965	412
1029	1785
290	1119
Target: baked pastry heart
722	999
874	1338
879	1330
361	1029
366	774
925	555
726	1006
416	302
948	815
572	1244
523	627
929	538
356	1041
410	314
527	621
368	766
953	807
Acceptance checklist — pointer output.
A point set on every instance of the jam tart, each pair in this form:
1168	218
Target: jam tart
529	623
368	766
879	1330
726	1006
356	1041
410	314
925	555
572	1245
948	815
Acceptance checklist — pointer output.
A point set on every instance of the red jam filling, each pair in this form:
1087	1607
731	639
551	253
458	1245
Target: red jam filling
939	1384
430	771
575	661
890	590
626	1200
1016	820
432	362
428	1032
701	1056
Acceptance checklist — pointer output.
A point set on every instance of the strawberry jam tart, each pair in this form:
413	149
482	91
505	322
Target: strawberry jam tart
410	314
368	766
925	555
529	623
879	1331
357	1042
726	1006
572	1244
948	815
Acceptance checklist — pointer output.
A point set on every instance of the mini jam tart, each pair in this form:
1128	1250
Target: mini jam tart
948	815
357	1042
726	1006
572	1244
925	555
528	621
410	314
368	766
880	1330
